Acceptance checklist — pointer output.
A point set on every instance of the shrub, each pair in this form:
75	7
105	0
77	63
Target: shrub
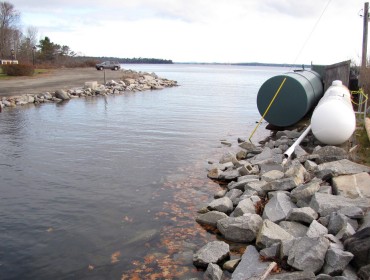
18	69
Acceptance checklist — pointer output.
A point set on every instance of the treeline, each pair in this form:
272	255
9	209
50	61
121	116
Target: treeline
27	48
138	60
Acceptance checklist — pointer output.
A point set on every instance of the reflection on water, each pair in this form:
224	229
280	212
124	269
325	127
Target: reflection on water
100	188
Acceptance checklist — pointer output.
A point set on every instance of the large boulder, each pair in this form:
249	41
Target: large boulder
244	206
324	204
61	94
353	186
308	254
340	167
294	228
330	153
240	229
223	204
250	266
298	275
271	233
306	191
278	207
213	272
316	230
336	261
212	252
304	215
211	218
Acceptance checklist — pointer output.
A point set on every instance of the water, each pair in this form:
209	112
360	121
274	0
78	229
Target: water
107	188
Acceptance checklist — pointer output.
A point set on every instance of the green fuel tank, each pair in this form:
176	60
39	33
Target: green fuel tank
300	92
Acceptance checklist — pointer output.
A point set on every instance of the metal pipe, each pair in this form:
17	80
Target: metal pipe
290	151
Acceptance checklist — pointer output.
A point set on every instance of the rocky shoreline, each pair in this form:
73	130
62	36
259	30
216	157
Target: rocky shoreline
131	81
306	219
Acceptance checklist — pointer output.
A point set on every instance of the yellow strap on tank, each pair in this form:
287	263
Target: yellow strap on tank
267	109
359	92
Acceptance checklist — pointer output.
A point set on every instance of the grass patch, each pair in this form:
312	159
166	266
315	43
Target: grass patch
363	150
36	73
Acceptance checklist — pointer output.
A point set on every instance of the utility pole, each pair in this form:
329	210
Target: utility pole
364	38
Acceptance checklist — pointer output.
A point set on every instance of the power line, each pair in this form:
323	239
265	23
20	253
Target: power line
312	31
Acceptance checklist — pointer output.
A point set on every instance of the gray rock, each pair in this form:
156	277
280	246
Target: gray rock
271	233
244	206
294	228
285	247
227	157
291	134
214	173
352	212
250	267
306	191
220	193
324	204
229	175
346	232
336	260
210	218
364	272
310	166
266	154
298	275
278	207
299	151
223	204
61	94
241	155
266	167
257	186
326	189
337	221
308	254
241	184
284	184
240	229
272	175
350	273
340	167
248	146
213	272
304	215
212	252
298	172
365	221
220	166
352	186
271	252
231	265
234	194
331	153
316	230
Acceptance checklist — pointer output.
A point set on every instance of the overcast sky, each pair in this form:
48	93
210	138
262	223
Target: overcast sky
202	30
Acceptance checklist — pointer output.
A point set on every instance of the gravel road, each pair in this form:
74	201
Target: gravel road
66	78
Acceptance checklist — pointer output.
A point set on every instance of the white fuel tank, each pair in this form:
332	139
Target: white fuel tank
333	120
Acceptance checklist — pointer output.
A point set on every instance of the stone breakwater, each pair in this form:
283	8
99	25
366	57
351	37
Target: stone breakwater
306	219
131	81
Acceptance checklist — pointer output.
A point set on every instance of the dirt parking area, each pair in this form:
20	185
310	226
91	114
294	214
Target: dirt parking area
66	78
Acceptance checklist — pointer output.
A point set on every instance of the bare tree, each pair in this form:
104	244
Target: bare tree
27	48
9	18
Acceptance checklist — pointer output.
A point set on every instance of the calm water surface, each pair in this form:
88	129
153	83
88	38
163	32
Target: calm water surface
107	188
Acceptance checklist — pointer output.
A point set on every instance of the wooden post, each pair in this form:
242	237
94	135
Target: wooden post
364	38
